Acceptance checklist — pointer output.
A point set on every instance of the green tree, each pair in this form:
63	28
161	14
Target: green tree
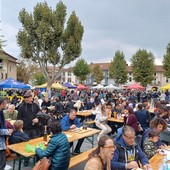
46	39
97	73
39	78
118	69
166	62
143	67
81	69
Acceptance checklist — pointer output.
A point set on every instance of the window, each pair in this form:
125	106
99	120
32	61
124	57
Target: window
2	76
130	79
166	80
69	73
6	76
155	74
69	80
130	74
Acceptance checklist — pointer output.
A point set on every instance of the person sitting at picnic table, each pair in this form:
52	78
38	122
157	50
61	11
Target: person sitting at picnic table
150	146
18	135
101	122
71	122
128	154
58	148
11	113
160	125
100	158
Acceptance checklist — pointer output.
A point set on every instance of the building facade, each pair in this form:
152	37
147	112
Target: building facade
8	66
68	76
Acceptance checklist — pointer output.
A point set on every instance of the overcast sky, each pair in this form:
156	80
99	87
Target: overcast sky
109	25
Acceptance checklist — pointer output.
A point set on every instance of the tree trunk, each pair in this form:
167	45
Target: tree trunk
49	84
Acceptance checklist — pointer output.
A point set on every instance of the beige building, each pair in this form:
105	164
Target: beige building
8	66
68	76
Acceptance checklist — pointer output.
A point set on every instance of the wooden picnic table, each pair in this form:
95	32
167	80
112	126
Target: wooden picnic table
112	119
84	113
19	148
156	161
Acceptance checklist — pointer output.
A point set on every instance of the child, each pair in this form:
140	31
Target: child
18	135
150	146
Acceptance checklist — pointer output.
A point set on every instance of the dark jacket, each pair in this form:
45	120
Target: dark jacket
3	131
17	137
143	117
66	123
121	155
27	112
59	150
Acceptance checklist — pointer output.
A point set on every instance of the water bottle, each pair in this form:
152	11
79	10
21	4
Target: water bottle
165	164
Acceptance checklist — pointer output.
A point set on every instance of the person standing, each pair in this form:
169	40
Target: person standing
71	122
27	113
3	133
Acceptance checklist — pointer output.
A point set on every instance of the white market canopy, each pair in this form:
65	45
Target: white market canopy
111	87
99	86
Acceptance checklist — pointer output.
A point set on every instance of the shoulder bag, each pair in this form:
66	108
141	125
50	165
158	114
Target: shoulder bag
43	163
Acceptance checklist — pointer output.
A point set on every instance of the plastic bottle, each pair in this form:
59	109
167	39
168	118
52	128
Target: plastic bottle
165	164
45	134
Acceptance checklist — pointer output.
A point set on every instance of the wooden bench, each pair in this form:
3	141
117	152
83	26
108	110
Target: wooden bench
75	160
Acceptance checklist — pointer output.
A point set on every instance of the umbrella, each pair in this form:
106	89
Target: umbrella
82	87
166	87
54	86
11	83
136	86
70	86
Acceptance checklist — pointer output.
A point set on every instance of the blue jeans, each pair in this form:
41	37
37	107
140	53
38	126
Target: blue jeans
2	159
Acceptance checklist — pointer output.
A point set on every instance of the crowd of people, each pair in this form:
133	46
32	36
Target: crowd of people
119	150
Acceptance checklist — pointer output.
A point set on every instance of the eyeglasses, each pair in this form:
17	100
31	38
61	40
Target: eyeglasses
129	137
110	147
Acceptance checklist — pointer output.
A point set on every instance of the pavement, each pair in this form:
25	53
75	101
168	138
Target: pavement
86	146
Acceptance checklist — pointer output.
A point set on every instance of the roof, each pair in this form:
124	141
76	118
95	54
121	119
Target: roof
10	57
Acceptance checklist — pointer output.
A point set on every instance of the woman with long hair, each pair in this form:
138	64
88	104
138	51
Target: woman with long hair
101	122
100	158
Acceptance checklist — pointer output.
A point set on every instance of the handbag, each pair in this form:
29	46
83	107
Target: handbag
140	129
43	163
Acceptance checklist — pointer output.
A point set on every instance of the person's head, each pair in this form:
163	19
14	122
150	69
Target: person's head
103	108
11	108
105	148
117	105
44	109
158	123
72	114
46	99
18	124
153	135
140	106
3	103
130	110
128	134
28	97
55	127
